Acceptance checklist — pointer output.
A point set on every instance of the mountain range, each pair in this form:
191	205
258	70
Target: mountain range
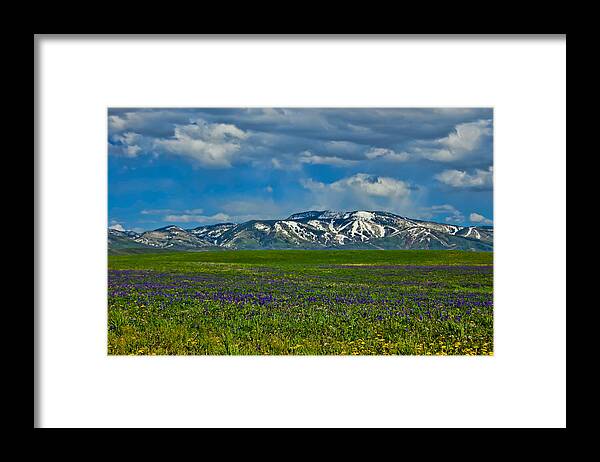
310	230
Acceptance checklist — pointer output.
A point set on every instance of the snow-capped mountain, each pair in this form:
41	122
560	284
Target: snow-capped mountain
315	230
212	233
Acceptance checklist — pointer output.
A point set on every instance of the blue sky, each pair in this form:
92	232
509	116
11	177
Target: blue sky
202	166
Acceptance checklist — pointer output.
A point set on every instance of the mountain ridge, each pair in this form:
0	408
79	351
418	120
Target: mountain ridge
312	229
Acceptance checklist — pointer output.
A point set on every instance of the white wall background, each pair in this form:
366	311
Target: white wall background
524	384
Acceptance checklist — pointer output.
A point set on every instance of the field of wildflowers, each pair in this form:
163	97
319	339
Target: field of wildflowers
301	303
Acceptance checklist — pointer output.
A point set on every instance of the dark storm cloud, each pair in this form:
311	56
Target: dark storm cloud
384	127
351	134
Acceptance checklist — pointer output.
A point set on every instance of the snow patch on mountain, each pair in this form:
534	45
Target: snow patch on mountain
262	227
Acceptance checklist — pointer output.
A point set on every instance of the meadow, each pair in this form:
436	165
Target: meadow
267	302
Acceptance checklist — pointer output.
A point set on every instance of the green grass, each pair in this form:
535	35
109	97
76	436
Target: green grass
301	302
182	261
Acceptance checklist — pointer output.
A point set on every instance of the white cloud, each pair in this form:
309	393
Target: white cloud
438	155
361	191
307	157
478	218
116	123
117	227
269	189
480	179
387	154
447	212
465	139
171	211
154	211
343	147
282	117
132	151
374	185
189	218
212	145
363	183
153	123
467	136
128	143
276	163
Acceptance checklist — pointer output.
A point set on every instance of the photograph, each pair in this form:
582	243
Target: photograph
300	231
